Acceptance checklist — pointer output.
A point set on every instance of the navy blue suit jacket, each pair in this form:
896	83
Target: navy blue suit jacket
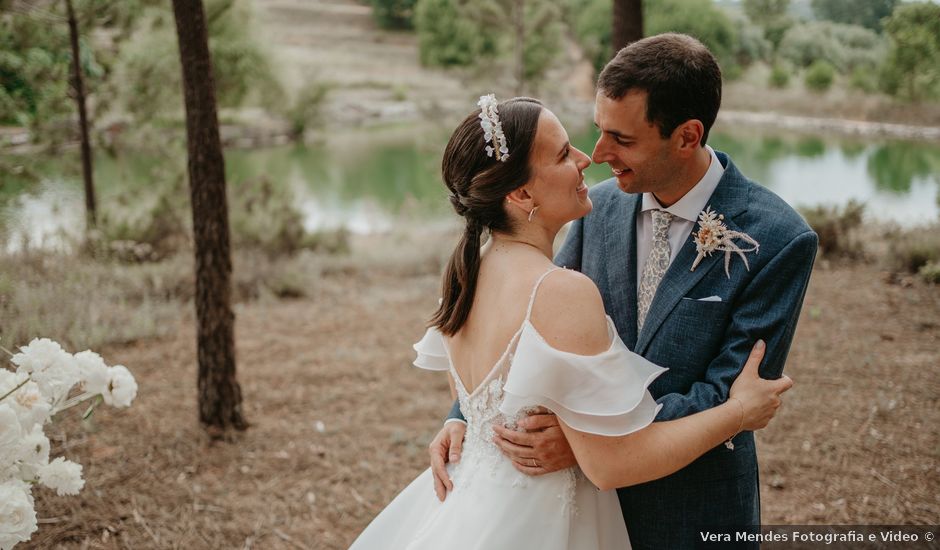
703	343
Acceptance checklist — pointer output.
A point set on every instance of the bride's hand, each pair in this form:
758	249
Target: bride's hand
759	398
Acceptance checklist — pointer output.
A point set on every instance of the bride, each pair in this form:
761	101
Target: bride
517	334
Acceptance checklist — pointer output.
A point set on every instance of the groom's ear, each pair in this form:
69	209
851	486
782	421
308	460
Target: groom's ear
687	137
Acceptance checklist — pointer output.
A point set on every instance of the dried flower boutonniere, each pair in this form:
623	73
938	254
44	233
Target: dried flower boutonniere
713	235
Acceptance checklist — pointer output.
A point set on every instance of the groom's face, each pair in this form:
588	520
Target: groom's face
632	146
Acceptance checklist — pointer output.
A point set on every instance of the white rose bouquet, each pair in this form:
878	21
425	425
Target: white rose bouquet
42	386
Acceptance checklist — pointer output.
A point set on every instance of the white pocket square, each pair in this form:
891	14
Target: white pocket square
709	299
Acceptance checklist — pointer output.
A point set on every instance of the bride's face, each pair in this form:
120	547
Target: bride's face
557	183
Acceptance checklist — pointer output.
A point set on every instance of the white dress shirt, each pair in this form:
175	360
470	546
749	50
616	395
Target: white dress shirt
685	212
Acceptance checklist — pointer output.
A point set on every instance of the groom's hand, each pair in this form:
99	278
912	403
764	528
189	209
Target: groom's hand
445	448
540	449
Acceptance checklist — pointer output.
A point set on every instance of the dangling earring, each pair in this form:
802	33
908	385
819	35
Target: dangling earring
532	212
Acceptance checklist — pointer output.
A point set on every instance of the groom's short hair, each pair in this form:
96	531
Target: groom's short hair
679	74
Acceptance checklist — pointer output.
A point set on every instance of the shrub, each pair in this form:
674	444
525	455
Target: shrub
593	30
779	77
394	14
307	109
844	46
915	249
930	272
147	72
751	43
868	13
446	37
912	69
837	228
864	80
698	18
819	76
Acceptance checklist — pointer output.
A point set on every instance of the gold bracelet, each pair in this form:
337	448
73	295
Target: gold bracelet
728	443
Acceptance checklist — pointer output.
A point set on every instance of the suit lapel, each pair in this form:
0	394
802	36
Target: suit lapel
730	199
620	248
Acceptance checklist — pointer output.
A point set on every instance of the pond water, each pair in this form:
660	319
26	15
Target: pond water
370	180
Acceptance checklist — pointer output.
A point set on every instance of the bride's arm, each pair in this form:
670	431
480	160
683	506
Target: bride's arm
570	316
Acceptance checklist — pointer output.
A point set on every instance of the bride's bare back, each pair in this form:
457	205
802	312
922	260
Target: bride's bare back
499	307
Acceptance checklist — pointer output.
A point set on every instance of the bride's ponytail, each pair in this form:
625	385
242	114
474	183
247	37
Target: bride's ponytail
478	185
460	281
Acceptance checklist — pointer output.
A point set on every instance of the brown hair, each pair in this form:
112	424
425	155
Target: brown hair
478	187
679	74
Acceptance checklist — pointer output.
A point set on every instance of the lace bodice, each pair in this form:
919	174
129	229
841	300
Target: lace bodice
604	394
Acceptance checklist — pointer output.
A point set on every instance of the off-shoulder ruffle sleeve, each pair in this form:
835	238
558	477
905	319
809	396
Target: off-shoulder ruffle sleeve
431	352
604	394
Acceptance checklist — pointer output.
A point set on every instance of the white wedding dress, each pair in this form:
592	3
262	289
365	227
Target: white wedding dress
492	505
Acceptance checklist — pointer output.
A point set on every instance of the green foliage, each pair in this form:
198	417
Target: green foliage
843	46
448	37
394	14
593	28
35	61
771	16
543	37
148	74
914	249
912	69
751	43
698	18
779	77
776	29
763	12
867	13
819	76
734	40
837	229
895	165
306	109
864	80
474	32
930	272
265	217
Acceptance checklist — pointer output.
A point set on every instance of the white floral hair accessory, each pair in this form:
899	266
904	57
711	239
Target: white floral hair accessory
492	128
713	235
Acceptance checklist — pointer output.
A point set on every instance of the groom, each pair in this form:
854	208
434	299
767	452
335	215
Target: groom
656	102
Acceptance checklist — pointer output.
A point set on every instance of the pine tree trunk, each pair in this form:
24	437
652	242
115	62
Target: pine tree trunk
628	23
220	399
79	86
518	16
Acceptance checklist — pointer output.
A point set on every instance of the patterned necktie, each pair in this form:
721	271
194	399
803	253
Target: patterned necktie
656	264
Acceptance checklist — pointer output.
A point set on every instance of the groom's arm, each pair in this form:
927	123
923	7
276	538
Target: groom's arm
768	309
455	413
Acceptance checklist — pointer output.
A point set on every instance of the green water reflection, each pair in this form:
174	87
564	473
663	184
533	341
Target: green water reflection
393	174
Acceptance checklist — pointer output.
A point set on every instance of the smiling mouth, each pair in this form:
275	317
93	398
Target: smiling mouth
621	172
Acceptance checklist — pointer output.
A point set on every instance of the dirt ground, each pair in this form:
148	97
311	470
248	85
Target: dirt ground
340	420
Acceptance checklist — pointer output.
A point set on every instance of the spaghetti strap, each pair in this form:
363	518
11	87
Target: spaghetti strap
535	289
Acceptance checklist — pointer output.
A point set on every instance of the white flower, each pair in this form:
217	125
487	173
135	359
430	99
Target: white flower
27	402
93	371
122	388
11	435
64	476
17	516
34	453
50	367
35	448
492	128
39	354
